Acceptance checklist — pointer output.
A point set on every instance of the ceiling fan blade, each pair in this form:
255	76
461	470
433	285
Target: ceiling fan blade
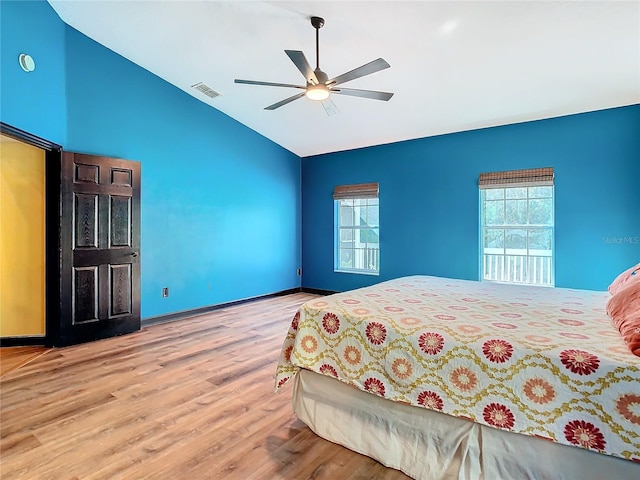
363	93
285	101
268	84
368	69
330	108
300	61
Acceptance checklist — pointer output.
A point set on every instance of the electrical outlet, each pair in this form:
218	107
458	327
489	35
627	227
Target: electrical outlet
165	292
299	272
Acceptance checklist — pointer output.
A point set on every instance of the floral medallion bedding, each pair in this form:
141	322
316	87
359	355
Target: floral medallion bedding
533	360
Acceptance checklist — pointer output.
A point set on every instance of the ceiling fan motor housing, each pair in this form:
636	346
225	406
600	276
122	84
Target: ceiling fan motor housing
322	77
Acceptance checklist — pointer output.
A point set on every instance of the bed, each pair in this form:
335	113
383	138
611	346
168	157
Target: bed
444	378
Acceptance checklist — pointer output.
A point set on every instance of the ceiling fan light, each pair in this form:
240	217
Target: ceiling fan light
317	92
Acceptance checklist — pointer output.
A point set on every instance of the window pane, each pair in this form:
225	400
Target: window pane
358	258
346	216
369	235
494	212
346	258
540	241
541	211
493	239
346	235
372	215
361	214
375	232
516	212
538	192
494	194
515	239
520	192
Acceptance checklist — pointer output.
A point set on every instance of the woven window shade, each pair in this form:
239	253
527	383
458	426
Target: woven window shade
362	190
512	178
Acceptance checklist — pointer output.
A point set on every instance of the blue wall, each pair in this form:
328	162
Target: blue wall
34	101
220	203
429	201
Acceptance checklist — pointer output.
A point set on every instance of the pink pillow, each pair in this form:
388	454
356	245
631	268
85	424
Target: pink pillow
633	274
624	310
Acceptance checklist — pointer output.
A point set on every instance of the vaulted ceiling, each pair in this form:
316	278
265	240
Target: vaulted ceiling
455	65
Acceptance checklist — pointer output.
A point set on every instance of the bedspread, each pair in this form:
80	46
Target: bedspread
533	360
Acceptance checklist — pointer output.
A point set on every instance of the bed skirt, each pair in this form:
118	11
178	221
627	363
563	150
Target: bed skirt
428	445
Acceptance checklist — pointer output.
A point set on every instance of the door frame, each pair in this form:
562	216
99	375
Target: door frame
53	158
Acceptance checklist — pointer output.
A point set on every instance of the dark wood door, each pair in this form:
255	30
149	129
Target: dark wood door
100	248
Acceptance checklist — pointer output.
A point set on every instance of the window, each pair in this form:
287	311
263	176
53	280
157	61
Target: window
517	221
357	229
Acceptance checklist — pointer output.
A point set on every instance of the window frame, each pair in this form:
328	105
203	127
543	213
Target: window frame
528	262
338	228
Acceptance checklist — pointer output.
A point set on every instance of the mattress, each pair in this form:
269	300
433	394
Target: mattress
536	361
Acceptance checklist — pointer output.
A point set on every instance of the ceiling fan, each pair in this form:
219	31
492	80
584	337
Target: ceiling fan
318	85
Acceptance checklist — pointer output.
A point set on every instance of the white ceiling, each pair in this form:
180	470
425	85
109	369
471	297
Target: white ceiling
455	65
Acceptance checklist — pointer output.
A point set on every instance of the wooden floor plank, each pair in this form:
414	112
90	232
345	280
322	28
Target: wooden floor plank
186	399
13	358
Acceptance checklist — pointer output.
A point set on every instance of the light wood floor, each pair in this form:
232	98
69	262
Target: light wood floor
191	399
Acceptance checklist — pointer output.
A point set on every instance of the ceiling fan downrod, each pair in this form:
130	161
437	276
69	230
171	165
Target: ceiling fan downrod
317	23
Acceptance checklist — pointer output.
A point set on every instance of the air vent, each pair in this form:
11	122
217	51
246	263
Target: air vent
206	89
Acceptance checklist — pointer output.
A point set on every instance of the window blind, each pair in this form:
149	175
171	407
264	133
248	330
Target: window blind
516	178
361	190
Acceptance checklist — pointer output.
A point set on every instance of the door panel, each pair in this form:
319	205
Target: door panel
120	224
100	278
120	293
85	293
86	174
121	177
86	220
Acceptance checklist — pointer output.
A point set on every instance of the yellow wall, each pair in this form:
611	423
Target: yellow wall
22	239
